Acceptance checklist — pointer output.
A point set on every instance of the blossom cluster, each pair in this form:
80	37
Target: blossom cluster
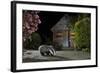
31	20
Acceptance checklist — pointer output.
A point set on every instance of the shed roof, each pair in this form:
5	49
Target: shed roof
61	24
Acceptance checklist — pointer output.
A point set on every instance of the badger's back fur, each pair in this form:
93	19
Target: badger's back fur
47	50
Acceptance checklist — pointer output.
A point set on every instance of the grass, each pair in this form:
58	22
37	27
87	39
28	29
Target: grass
65	55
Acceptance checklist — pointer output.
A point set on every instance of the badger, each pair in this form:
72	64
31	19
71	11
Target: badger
47	50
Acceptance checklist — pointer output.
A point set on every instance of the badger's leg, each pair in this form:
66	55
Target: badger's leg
50	54
44	53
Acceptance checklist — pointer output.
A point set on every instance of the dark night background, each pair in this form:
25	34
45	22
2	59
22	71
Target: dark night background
48	19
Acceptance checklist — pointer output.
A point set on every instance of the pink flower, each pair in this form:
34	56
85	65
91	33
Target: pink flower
30	23
27	25
36	17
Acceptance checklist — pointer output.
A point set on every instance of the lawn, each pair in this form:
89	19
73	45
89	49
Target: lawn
34	56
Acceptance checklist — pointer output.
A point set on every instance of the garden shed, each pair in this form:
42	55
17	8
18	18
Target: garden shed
61	32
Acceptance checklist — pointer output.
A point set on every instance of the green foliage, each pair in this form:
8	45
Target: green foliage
73	20
80	25
82	32
76	17
34	42
83	15
48	41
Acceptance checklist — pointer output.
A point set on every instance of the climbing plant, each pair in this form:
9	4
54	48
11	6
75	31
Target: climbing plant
83	32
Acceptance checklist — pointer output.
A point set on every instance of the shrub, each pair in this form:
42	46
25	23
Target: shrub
82	33
34	42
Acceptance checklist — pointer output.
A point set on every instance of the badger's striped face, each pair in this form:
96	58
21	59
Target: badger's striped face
46	50
52	51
